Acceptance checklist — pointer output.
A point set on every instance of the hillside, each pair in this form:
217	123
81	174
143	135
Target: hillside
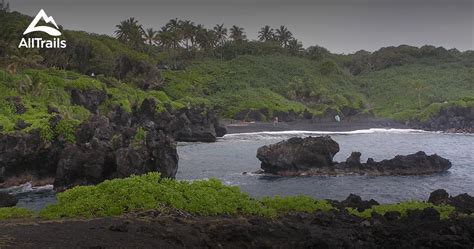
241	79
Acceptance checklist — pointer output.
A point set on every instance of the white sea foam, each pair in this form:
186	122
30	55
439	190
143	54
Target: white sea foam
300	132
26	187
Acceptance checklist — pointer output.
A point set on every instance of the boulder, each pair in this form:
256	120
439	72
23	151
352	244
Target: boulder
298	154
7	200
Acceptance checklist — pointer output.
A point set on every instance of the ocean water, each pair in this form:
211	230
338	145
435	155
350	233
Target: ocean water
234	154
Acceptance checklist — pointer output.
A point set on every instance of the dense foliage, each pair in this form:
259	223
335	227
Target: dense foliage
185	64
203	197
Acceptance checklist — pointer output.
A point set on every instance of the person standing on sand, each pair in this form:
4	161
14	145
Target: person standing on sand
275	120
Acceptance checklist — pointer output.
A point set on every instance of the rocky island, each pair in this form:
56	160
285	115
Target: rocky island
314	156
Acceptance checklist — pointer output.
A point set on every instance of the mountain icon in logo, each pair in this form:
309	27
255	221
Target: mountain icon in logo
48	19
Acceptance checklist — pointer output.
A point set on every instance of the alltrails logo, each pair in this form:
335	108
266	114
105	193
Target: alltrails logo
39	42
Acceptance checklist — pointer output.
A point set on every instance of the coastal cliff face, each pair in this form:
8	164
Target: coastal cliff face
454	119
314	156
118	144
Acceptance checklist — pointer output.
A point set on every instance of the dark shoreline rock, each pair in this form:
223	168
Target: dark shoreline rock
174	229
118	144
314	156
7	200
454	119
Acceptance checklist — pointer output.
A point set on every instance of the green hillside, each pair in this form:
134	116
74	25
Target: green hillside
185	64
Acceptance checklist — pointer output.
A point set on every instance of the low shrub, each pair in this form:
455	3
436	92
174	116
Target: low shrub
203	197
15	213
402	208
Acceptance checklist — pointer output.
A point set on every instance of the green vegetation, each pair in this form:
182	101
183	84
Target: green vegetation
204	197
15	213
185	64
402	208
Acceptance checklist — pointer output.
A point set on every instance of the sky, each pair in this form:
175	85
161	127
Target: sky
342	26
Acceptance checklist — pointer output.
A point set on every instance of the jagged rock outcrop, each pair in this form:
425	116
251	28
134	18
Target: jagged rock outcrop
105	150
314	156
195	124
118	144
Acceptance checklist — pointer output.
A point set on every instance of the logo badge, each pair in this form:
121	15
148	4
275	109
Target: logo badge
40	42
47	19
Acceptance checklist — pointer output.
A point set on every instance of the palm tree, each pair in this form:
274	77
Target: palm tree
150	36
221	33
266	34
221	36
237	34
295	47
283	35
129	31
187	28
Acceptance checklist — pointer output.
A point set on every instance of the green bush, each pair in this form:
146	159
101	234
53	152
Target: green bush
402	208
203	197
299	203
15	213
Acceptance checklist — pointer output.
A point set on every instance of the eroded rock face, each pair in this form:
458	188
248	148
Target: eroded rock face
24	152
105	146
105	150
195	124
454	119
298	154
314	156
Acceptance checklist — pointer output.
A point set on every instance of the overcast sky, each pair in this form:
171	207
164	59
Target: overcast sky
342	26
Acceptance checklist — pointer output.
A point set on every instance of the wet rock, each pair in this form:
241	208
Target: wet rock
297	154
7	200
89	98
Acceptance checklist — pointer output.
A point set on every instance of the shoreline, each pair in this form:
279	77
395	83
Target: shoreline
235	126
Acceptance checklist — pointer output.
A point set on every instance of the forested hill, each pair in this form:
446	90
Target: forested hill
185	64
